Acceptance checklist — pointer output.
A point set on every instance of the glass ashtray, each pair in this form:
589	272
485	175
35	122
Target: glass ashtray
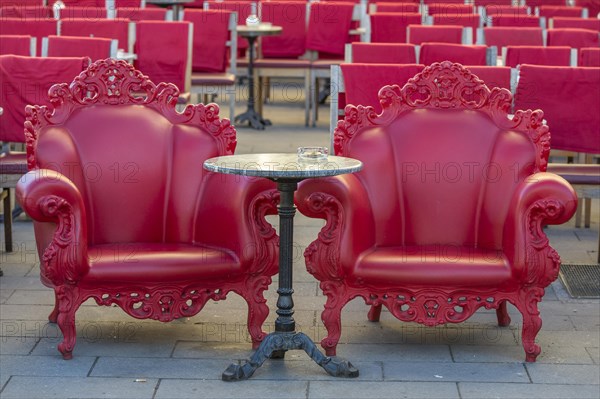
313	154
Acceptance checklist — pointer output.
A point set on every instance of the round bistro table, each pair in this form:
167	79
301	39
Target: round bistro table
286	170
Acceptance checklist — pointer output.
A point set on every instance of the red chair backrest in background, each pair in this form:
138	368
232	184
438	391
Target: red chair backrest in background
589	57
96	48
576	38
162	51
515	20
560	11
462	54
383	53
569	98
389	27
398	7
578	23
26	80
16	9
90	14
493	76
16	45
242	9
379	75
513	36
108	28
418	34
291	16
37	28
449	9
142	14
211	33
537	55
329	27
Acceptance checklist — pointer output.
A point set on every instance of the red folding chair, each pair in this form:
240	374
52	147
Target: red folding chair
593	7
510	36
565	95
576	38
24	45
502	10
496	76
576	23
449	9
537	55
560	11
472	21
96	48
394	7
381	53
25	80
418	34
516	20
164	53
17	9
90	14
463	54
242	9
282	55
589	57
144	14
214	49
120	29
329	29
35	28
387	27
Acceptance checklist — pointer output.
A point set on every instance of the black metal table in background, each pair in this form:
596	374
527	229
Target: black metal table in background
252	33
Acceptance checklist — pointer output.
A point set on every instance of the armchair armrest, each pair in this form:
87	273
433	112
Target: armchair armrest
543	198
349	229
49	196
231	214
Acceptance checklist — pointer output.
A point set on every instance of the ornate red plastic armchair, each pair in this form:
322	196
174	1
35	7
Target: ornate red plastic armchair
123	212
447	214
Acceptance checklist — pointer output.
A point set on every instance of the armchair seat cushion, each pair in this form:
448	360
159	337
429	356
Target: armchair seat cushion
159	262
433	265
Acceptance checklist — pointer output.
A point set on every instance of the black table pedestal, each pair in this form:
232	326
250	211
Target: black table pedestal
254	119
285	336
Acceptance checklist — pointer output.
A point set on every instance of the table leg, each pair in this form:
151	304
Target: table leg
254	119
285	336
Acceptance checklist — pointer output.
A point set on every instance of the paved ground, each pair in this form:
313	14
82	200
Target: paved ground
119	357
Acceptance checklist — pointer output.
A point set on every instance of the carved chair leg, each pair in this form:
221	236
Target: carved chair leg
332	319
53	317
502	314
532	322
374	313
68	303
257	308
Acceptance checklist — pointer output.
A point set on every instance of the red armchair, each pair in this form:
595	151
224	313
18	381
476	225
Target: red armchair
123	212
447	214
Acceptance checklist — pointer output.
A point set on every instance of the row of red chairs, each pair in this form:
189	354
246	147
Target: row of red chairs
91	14
564	93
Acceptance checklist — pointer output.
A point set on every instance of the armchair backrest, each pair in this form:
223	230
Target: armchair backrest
136	161
442	160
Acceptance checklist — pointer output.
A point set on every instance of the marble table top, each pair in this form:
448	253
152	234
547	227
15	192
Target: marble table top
258	30
280	166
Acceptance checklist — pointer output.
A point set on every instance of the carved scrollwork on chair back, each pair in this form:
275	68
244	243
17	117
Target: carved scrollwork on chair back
116	82
444	85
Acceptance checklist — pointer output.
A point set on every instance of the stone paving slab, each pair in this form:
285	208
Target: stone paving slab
595	354
194	389
16	345
473	390
504	354
444	372
45	366
78	387
396	390
564	374
395	352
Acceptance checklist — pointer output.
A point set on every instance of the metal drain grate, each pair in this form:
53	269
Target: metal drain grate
581	281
